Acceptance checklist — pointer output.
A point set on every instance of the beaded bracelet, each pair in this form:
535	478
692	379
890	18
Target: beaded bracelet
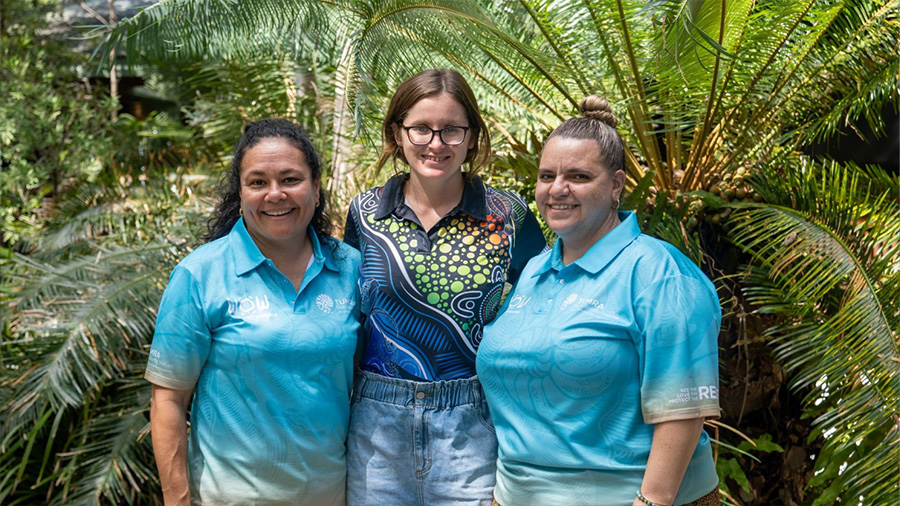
648	502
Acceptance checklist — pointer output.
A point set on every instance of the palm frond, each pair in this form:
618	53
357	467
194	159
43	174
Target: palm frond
82	311
114	464
402	37
85	317
855	62
210	30
233	92
827	258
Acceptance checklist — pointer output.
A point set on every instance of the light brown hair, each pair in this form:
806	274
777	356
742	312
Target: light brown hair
431	83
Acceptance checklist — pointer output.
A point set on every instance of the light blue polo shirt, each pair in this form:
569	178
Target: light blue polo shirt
271	367
585	358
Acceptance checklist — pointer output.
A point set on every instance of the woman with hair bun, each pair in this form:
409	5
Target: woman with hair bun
602	365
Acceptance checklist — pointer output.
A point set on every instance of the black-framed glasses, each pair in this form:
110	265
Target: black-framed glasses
421	135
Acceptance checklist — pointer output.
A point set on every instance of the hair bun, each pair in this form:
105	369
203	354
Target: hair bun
597	107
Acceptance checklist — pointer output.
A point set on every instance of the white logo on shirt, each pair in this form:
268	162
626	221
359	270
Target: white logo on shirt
517	303
583	304
325	303
694	394
250	308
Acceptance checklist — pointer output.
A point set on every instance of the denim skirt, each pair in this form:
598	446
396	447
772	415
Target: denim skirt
419	443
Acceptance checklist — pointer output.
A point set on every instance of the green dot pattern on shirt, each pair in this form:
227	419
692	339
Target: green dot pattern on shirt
458	261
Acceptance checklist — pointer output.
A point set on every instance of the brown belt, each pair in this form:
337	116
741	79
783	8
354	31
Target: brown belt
710	499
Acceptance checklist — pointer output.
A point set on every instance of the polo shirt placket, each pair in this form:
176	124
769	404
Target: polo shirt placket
427	294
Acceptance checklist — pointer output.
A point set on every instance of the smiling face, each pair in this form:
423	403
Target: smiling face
278	194
434	160
576	195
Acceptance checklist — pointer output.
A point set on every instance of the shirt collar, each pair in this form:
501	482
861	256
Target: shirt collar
247	255
602	252
472	203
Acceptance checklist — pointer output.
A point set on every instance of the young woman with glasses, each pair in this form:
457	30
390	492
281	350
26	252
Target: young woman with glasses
438	246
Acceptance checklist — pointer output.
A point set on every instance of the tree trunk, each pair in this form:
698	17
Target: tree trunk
343	126
113	77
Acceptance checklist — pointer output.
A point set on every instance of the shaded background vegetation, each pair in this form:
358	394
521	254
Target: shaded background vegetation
731	111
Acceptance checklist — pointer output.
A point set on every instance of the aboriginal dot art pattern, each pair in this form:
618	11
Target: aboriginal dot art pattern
428	297
456	264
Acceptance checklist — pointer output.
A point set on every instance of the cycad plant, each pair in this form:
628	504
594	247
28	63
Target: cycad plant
705	88
826	261
717	99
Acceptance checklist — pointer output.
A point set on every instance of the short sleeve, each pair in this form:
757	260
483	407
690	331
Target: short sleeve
528	240
182	338
351	230
678	318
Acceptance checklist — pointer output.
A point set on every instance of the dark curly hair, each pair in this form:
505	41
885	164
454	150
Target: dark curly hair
228	209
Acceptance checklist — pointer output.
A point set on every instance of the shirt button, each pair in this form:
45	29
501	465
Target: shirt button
562	282
420	395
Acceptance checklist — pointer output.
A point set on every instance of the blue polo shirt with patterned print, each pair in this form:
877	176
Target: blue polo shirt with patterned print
271	369
586	357
427	294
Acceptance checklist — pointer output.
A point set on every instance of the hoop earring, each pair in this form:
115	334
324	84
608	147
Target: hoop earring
240	210
616	203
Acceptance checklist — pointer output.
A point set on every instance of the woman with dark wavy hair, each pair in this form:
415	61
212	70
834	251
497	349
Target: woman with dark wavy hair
256	332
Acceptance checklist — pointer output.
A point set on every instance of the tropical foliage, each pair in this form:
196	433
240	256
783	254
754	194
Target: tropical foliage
825	256
74	403
96	211
83	309
718	101
52	126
